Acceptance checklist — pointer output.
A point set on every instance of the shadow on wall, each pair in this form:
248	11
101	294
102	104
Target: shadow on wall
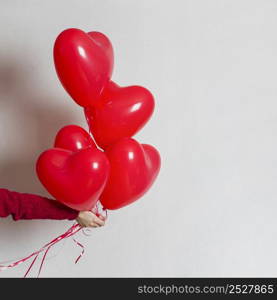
29	123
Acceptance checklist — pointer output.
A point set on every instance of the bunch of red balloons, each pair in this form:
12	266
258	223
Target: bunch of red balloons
105	164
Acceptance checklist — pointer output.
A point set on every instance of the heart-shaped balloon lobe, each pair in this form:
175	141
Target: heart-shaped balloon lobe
134	168
121	112
105	44
75	171
74	138
76	179
84	64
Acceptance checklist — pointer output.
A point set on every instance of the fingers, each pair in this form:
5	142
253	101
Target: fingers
91	224
99	221
102	218
96	222
89	219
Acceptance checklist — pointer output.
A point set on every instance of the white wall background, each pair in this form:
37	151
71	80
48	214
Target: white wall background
212	66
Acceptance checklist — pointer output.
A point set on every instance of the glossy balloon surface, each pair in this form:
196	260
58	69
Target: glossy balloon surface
84	64
121	112
106	46
75	178
74	138
134	168
75	171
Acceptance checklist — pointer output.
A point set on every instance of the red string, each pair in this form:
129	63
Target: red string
71	231
41	264
83	250
31	265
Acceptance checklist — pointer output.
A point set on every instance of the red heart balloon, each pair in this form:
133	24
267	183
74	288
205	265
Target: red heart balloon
74	138
75	178
120	112
105	44
134	168
84	64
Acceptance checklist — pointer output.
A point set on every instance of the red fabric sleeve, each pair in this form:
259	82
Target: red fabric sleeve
29	206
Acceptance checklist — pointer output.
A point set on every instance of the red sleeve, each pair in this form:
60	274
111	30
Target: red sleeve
28	206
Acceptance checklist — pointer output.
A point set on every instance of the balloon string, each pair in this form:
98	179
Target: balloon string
83	250
31	265
44	256
70	232
89	130
88	122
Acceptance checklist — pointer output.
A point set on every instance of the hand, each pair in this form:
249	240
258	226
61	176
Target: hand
89	219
